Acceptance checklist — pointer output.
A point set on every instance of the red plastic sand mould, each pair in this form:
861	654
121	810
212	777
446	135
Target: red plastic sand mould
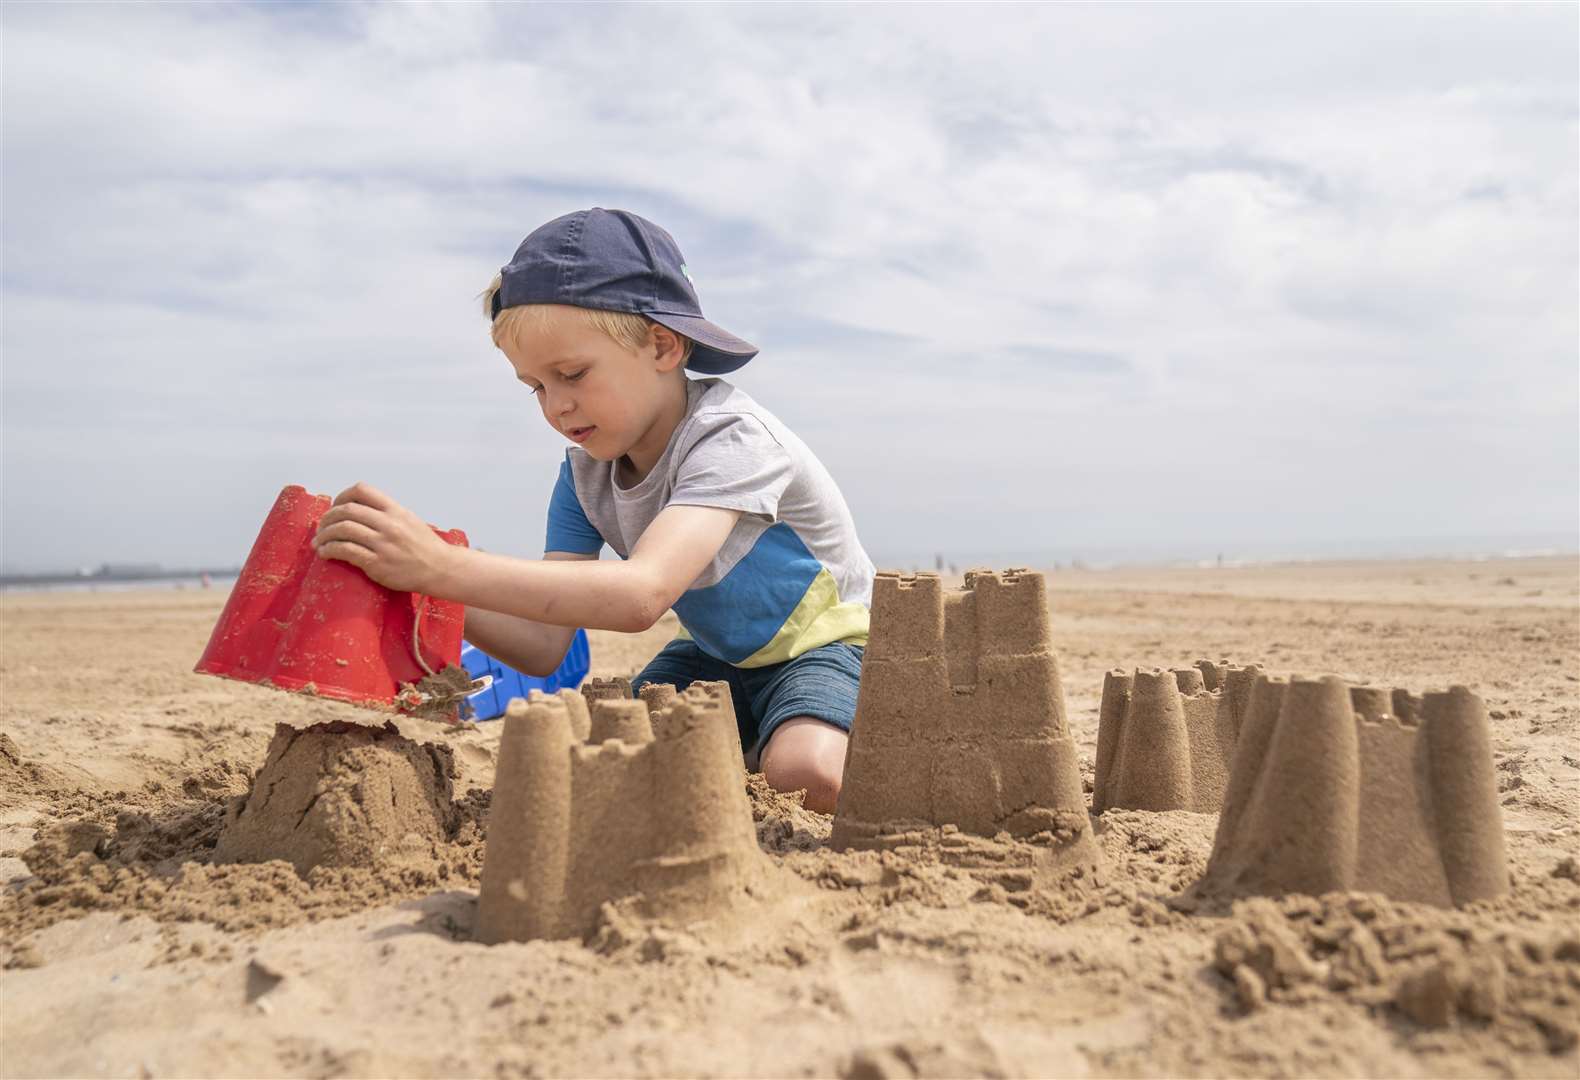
321	626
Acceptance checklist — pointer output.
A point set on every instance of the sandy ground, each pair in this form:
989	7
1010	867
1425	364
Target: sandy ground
126	953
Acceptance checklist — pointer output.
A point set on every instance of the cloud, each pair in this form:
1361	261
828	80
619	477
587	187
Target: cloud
1009	269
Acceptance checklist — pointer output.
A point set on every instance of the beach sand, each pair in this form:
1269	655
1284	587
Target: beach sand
128	952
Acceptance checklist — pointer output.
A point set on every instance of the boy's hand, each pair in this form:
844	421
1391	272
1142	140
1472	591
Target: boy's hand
389	543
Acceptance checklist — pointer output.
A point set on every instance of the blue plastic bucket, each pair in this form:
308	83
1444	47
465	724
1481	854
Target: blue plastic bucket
510	683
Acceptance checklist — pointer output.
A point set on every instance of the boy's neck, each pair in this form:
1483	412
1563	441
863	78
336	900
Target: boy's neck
638	461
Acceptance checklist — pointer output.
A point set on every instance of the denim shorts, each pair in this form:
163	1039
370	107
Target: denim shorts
820	683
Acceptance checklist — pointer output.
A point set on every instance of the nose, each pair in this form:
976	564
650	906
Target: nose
557	403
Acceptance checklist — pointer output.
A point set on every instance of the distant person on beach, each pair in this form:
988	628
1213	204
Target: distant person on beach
714	506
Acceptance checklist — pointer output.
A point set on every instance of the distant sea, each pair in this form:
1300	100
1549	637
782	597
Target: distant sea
1229	555
112	584
1084	557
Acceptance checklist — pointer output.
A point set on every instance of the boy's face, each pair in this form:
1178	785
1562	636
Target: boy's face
593	390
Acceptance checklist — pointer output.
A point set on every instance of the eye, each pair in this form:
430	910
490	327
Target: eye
534	390
573	377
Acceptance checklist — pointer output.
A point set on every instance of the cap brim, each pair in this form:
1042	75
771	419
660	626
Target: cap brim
715	351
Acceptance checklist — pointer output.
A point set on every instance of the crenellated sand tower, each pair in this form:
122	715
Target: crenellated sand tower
609	804
1165	739
960	719
1337	787
617	688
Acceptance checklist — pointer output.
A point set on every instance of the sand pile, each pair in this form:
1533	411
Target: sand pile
160	863
1337	788
1165	739
613	806
340	816
784	824
439	696
20	777
960	722
342	795
1439	969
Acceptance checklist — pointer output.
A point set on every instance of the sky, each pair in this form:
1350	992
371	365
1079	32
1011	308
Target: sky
1035	282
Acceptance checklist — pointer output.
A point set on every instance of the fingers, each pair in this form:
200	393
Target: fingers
366	494
346	551
349	531
350	511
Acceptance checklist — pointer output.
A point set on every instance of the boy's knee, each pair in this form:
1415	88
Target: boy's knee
806	754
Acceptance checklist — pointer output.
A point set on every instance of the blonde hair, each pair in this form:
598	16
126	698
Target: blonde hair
627	329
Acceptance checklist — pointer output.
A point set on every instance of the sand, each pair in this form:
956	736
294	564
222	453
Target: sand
1166	739
613	808
342	795
129	951
1338	788
960	726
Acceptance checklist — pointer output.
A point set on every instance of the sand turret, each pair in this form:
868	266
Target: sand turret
649	809
1336	787
620	720
960	718
1165	739
618	688
657	697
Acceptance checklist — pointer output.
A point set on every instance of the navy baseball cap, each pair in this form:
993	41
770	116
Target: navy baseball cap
616	261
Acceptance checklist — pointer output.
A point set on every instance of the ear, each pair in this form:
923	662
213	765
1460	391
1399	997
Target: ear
669	348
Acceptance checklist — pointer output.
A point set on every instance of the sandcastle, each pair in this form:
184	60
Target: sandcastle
615	803
341	794
1337	787
1165	739
657	696
960	719
616	688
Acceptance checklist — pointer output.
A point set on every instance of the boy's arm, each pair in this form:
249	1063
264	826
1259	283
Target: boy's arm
398	550
533	648
629	595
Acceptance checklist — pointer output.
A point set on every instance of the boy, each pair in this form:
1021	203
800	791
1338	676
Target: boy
716	509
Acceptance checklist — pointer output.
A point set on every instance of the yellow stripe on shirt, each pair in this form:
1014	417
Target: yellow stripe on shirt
819	619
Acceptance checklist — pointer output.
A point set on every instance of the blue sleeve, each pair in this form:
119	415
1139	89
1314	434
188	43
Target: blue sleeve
569	529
